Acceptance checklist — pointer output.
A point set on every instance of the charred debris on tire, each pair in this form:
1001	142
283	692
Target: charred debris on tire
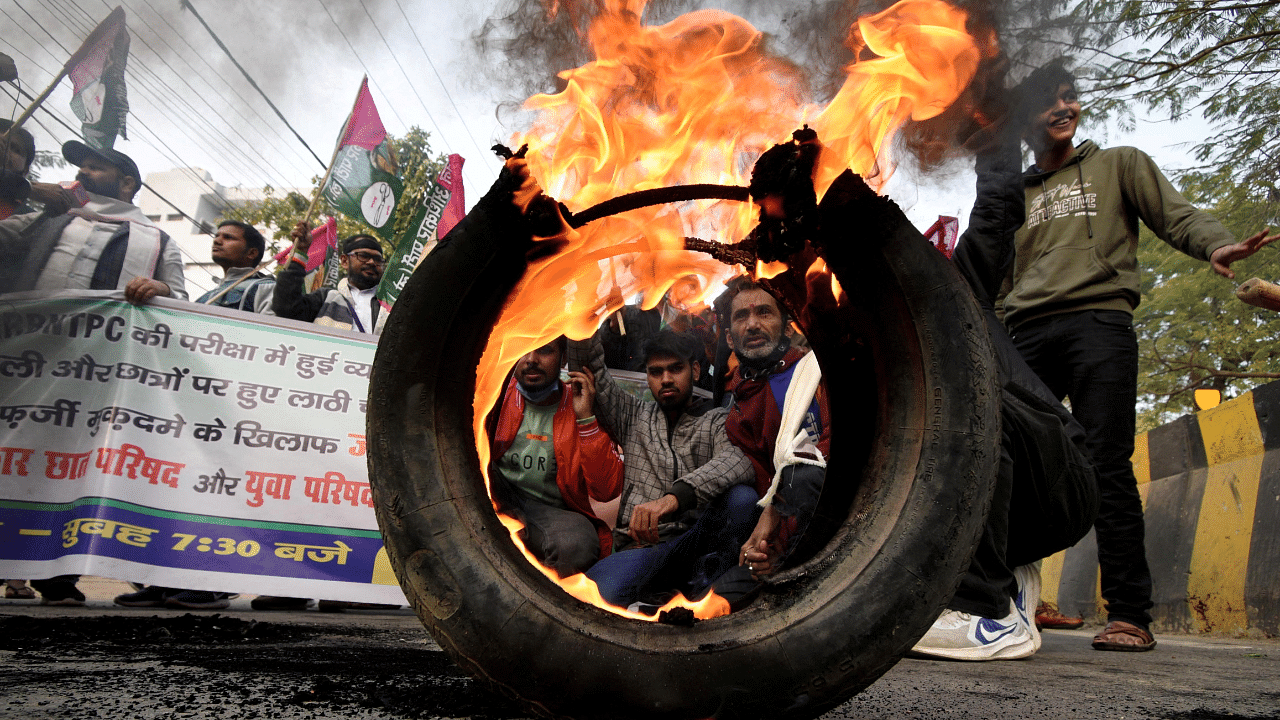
902	509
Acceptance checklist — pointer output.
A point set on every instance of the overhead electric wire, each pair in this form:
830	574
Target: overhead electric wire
265	168
426	109
146	79
142	72
387	45
156	140
217	140
37	65
284	142
16	49
167	98
413	29
203	96
20	26
46	32
191	126
171	155
186	4
372	78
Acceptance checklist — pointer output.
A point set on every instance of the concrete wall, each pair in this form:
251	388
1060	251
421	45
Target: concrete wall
1210	484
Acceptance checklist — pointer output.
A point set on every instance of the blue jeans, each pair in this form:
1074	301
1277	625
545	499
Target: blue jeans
689	563
1091	356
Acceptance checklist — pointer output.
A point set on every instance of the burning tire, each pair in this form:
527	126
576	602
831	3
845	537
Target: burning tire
915	417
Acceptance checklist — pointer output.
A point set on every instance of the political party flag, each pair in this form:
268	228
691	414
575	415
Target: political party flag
363	182
441	208
944	234
323	259
97	76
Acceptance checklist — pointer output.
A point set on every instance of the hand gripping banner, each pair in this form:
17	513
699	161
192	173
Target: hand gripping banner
185	446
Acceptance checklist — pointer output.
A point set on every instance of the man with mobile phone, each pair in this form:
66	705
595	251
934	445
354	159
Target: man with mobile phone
550	458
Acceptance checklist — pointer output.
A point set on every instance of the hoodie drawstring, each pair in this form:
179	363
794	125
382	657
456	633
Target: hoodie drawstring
1088	223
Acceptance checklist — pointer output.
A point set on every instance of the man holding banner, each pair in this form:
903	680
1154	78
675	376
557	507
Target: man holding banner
105	244
237	249
363	182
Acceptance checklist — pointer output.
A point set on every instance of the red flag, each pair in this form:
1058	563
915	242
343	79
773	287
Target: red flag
451	179
944	234
364	126
441	208
364	183
323	254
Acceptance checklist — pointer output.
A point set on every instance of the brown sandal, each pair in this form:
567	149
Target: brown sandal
21	592
1049	617
1115	637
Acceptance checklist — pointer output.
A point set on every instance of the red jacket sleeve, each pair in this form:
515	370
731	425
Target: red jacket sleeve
601	465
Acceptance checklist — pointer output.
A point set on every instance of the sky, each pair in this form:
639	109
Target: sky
191	107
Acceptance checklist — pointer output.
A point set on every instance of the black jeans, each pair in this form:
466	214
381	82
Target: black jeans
1091	357
1045	499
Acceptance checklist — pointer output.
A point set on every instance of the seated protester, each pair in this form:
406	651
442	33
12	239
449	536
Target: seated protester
688	501
1045	491
775	394
551	459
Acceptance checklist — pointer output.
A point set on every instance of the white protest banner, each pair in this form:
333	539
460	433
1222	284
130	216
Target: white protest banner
186	446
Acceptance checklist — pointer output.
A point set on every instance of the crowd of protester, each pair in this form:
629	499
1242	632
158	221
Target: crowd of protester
679	493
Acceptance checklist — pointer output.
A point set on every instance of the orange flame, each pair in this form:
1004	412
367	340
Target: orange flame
696	100
582	588
925	59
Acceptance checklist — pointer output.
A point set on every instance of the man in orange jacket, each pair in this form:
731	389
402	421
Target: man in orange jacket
550	459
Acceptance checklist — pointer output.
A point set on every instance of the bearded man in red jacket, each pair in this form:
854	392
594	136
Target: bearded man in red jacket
551	458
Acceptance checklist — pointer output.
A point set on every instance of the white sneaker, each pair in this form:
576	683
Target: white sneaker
960	636
1028	598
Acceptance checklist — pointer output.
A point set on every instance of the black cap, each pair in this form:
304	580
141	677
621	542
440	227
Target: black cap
75	152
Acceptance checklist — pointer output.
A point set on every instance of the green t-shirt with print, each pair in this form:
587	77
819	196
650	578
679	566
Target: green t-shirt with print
530	464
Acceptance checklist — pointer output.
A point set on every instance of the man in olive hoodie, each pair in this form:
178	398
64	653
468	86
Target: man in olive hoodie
1070	311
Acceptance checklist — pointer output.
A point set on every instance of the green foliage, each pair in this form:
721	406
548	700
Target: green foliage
277	214
1192	330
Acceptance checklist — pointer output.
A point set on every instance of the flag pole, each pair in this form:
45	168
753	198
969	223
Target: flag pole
315	199
256	270
336	147
116	15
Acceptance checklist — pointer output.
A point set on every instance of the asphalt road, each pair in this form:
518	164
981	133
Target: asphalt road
107	662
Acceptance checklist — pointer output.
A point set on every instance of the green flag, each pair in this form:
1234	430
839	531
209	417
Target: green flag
99	98
441	208
364	182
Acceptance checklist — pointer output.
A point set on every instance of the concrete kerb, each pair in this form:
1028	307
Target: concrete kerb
1210	485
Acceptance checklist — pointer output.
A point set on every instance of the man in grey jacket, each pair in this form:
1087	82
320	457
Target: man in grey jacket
238	248
688	499
107	244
